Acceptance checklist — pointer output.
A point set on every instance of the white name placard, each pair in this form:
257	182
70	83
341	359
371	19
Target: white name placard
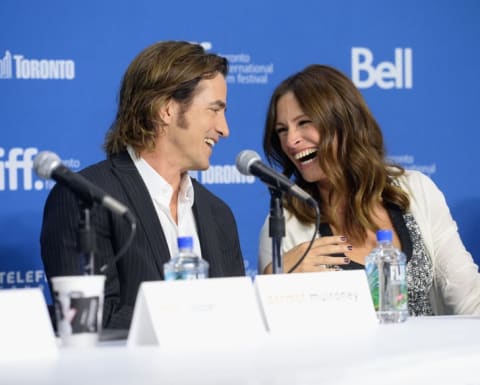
214	311
316	303
26	331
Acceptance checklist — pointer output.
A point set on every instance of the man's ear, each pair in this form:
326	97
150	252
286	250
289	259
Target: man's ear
168	110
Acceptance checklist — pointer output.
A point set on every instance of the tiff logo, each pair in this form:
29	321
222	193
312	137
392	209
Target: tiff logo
17	170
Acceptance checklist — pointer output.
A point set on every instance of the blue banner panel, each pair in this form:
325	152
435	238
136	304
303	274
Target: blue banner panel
61	64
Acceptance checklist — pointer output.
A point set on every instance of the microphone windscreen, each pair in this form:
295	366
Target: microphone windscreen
245	160
44	164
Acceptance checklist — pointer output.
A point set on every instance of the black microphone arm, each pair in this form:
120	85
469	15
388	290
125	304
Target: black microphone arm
249	163
48	165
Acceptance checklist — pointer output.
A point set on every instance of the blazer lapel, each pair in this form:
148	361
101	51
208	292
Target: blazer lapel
142	206
206	227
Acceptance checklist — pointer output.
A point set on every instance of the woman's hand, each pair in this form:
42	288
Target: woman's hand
319	258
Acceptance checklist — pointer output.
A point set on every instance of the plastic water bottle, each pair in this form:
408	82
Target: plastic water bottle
185	265
386	272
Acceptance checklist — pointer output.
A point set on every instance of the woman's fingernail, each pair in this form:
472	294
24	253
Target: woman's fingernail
346	260
343	239
350	247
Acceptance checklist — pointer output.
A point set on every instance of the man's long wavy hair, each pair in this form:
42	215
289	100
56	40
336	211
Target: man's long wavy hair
165	70
351	152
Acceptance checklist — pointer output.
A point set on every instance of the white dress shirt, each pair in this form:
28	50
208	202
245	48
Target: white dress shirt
161	194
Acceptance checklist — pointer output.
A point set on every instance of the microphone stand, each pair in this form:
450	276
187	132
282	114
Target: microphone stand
86	240
276	228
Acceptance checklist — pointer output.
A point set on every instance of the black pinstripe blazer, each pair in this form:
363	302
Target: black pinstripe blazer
144	259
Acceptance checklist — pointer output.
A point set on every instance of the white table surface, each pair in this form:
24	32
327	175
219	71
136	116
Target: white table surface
423	350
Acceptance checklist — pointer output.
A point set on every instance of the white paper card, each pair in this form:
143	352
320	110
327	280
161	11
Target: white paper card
316	303
26	331
214	311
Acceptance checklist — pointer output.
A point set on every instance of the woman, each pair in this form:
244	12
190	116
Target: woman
320	131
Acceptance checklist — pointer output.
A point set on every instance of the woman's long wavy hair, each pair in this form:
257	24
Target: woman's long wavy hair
165	70
351	152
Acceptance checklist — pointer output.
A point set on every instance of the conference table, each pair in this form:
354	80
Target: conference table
423	350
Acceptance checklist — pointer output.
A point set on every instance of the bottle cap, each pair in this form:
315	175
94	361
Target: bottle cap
185	242
384	235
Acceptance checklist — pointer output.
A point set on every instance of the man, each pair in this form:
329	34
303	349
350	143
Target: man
171	114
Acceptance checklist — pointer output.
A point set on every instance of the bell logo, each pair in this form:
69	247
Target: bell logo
386	75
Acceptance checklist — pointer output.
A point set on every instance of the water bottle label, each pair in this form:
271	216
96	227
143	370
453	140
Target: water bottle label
372	278
397	273
398	284
401	301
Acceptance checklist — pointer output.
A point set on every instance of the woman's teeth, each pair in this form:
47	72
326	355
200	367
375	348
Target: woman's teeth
306	155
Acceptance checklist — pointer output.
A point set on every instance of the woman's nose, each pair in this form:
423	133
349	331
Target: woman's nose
293	137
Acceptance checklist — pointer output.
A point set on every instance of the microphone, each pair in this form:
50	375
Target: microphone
48	165
249	163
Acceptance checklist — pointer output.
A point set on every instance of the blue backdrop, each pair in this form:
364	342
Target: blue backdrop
61	63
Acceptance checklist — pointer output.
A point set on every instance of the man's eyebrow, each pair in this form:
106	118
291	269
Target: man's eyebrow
219	103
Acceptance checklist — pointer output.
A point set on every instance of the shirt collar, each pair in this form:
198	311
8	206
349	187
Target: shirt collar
158	187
